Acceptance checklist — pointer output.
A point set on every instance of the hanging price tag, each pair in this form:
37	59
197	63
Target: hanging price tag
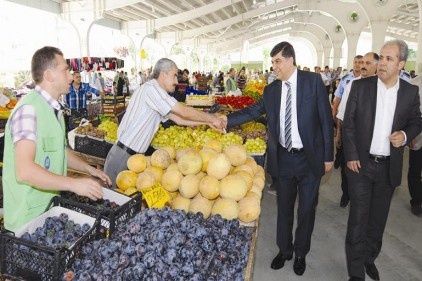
155	196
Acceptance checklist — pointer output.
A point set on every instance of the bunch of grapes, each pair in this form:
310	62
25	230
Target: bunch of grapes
231	138
110	129
100	204
90	130
256	145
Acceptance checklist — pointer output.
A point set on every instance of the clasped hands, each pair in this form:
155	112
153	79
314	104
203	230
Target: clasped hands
219	122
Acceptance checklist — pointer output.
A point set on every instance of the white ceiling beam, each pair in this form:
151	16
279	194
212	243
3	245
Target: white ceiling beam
194	13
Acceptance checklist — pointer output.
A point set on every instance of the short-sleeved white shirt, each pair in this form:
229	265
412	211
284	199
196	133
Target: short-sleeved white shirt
148	107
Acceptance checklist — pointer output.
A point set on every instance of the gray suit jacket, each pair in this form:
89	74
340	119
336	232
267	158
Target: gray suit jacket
359	120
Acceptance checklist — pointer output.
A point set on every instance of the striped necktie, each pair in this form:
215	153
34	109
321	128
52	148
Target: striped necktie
288	119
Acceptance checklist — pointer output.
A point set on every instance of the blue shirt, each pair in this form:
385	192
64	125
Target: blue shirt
76	98
343	83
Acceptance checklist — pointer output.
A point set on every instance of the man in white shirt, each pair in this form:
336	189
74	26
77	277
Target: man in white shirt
326	79
368	68
382	116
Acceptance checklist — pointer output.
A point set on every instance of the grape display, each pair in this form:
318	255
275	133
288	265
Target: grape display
162	244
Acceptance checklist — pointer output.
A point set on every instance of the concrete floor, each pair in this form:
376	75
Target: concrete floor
400	257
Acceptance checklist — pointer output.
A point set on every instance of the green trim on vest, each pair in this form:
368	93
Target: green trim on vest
22	202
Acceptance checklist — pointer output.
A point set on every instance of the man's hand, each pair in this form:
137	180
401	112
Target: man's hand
412	144
337	139
224	119
87	187
328	166
354	165
101	175
397	139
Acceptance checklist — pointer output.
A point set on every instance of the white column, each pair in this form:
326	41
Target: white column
418	66
352	41
379	30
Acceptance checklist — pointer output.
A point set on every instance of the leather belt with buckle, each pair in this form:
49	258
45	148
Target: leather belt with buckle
125	148
379	158
294	150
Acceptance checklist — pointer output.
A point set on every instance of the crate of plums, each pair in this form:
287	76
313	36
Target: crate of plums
46	247
114	207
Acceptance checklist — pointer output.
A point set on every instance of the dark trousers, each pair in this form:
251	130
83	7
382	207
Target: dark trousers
340	162
414	177
370	197
295	177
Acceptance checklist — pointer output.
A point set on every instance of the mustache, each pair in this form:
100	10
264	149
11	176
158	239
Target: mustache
363	68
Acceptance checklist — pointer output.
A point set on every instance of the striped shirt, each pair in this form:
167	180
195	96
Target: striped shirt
148	107
23	125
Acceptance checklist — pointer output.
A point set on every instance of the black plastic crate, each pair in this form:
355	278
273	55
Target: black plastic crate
91	146
109	218
21	259
260	160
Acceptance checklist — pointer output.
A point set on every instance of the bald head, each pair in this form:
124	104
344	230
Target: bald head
369	64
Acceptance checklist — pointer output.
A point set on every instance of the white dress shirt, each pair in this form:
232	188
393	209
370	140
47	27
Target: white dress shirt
296	141
343	102
386	106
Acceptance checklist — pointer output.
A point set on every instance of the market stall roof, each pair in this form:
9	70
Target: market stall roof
224	20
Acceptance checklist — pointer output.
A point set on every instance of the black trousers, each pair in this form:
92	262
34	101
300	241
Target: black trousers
340	162
295	177
370	194
414	177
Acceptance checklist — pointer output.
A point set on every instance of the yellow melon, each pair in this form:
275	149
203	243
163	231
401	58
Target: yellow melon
137	163
171	151
157	172
189	186
161	159
233	187
190	163
181	151
209	187
247	177
237	154
173	166
206	155
200	204
145	180
249	209
250	161
219	166
226	208
126	179
180	203
171	180
214	145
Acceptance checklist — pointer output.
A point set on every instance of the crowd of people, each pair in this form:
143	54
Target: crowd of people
375	113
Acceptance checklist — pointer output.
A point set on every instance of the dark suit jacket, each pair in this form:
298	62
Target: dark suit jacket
359	121
313	115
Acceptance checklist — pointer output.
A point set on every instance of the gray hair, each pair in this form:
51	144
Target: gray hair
163	64
403	48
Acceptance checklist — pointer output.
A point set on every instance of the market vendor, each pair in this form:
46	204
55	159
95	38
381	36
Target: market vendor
150	105
230	83
36	156
78	96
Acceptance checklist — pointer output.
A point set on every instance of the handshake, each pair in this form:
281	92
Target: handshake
218	122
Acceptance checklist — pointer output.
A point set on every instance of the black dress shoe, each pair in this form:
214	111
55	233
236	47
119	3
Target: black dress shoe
278	261
372	271
299	266
344	201
416	210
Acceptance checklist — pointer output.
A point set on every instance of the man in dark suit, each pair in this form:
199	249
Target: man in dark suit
299	149
382	116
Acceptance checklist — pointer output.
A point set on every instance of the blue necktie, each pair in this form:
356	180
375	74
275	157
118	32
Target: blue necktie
288	119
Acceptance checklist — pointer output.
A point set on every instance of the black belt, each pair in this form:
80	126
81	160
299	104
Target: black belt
293	150
125	148
379	158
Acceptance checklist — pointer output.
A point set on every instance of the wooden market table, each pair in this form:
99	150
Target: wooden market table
92	160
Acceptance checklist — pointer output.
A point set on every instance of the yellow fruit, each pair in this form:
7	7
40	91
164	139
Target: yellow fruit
247	177
259	181
180	203
130	191
249	209
171	151
161	159
171	180
173	166
214	144
206	155
180	152
219	166
157	172
209	187
252	163
137	163
257	190
245	167
233	187
200	204
226	208
253	195
237	154
145	180
126	179
189	186
190	163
